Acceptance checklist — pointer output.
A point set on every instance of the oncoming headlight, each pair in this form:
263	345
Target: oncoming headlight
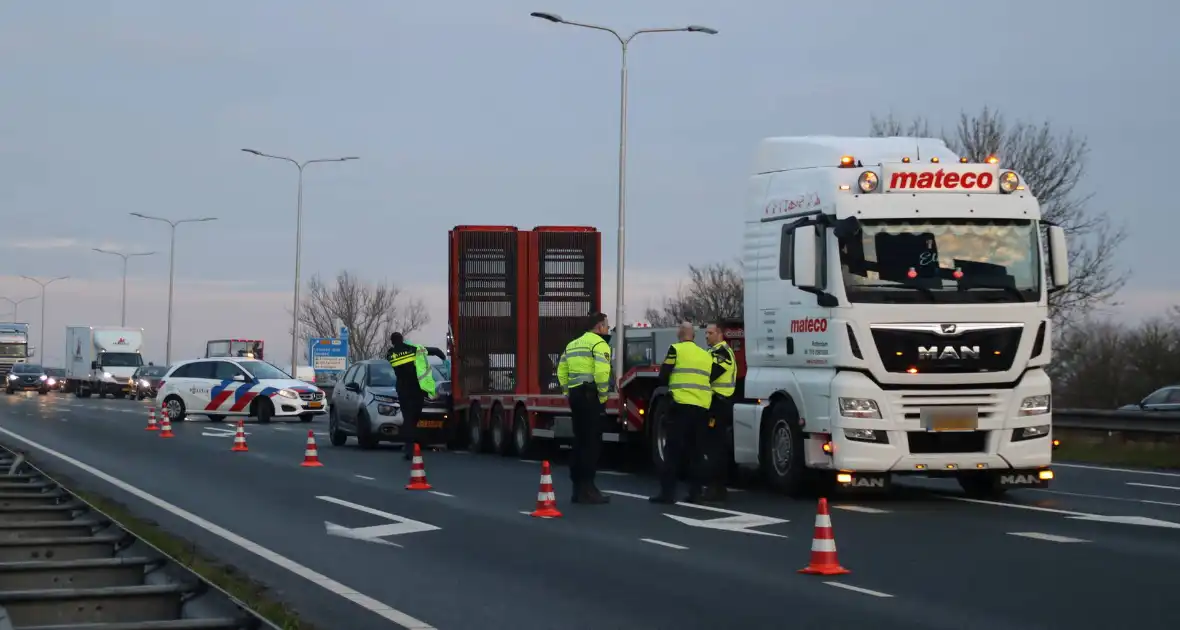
867	182
1009	181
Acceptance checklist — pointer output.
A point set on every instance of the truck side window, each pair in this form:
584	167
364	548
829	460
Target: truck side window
785	255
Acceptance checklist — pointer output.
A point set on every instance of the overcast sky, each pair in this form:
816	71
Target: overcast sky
467	112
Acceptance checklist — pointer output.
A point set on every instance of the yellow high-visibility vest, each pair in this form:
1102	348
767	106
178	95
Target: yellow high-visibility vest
726	384
689	382
585	360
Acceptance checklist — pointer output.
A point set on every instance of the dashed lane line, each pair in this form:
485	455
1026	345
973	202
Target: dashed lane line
1153	485
365	478
860	508
442	494
1158	473
664	544
1047	537
857	589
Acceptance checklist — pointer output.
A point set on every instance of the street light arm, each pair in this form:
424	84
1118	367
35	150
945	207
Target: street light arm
103	251
141	254
273	157
151	218
341	159
200	220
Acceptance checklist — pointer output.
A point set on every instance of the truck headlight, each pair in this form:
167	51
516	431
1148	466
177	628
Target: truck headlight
106	375
1035	405
289	393
859	408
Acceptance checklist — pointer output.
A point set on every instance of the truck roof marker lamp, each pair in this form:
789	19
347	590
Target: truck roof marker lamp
868	182
991	159
934	160
847	161
1009	182
962	160
905	160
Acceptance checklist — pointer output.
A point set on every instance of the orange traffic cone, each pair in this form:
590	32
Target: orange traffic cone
823	546
151	419
546	499
418	472
240	439
311	456
165	426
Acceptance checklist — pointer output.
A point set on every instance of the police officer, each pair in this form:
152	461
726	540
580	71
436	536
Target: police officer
721	412
584	374
415	381
687	371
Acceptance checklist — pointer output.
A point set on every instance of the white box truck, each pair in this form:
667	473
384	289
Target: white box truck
101	359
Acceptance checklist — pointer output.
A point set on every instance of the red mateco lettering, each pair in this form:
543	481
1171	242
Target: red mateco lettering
941	180
809	325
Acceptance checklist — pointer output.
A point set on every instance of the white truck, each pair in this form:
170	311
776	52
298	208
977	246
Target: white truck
895	317
14	346
101	359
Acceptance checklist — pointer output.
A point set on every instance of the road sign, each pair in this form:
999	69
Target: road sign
328	356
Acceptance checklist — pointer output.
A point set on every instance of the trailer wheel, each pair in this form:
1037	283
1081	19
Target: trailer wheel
657	436
781	450
522	433
476	438
501	429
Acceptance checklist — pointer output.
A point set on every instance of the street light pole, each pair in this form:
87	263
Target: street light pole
125	257
16	305
624	42
44	284
171	269
298	243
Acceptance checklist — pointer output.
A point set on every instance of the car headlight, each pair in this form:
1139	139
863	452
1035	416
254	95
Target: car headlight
44	377
1035	405
388	410
144	383
859	408
12	377
52	381
289	393
106	375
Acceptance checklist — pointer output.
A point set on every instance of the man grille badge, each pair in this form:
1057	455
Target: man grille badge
949	329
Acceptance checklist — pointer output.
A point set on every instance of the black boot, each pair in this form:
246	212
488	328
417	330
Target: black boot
665	497
599	497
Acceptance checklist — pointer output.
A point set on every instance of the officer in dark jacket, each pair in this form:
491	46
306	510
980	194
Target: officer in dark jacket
409	394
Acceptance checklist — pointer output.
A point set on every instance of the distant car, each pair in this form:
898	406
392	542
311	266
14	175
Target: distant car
57	378
365	406
1162	399
145	382
232	386
27	377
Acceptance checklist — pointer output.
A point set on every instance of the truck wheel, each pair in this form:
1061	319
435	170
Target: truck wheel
781	453
522	434
981	485
501	431
476	442
175	408
658	432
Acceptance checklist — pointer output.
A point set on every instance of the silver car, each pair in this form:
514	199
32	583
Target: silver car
365	406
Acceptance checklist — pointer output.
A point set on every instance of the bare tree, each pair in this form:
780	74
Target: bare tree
713	291
370	311
1052	166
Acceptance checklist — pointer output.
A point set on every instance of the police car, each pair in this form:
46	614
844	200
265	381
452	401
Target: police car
231	386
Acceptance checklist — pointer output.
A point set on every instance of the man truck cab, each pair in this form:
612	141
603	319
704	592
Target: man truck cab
896	317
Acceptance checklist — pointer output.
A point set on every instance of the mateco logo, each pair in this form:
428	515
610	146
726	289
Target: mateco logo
121	342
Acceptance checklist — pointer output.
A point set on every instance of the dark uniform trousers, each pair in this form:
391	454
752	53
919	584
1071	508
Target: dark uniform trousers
717	447
587	420
411	404
687	432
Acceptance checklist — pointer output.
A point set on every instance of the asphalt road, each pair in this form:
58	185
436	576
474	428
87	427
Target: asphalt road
1100	550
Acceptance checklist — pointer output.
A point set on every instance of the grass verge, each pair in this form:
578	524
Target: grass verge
1116	450
253	594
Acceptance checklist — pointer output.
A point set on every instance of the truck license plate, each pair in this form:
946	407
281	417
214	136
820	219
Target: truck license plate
430	424
950	418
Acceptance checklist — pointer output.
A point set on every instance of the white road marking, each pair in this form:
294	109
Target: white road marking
663	544
614	473
374	533
1152	485
442	494
364	601
1080	516
626	494
280	429
1158	473
1048	537
365	478
741	522
860	508
1103	497
528	461
857	589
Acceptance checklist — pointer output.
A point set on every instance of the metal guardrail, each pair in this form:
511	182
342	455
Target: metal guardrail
65	564
1128	421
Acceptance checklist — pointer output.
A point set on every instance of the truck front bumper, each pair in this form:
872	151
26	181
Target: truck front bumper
901	440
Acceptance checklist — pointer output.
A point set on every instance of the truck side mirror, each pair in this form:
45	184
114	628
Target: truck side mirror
94	365
1058	257
803	247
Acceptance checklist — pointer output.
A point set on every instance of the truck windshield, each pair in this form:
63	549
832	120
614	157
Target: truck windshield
954	261
121	359
15	350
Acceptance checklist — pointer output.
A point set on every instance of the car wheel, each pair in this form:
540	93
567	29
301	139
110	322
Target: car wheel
175	408
306	417
364	432
265	411
43	392
216	418
335	435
